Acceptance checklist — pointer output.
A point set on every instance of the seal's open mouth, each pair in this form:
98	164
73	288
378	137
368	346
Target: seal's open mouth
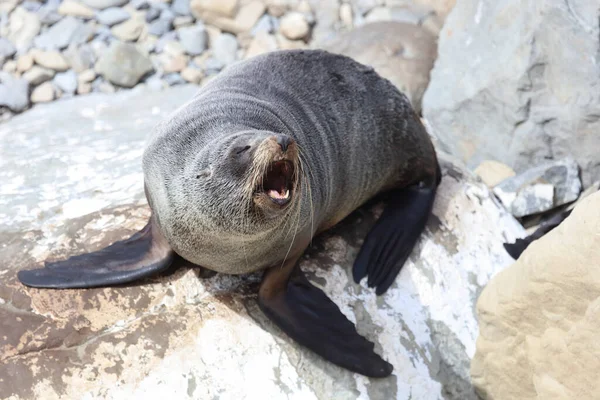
278	181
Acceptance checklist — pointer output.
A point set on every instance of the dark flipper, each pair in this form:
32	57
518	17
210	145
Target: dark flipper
308	316
390	241
515	249
144	254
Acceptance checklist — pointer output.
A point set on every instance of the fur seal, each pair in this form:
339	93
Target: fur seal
271	152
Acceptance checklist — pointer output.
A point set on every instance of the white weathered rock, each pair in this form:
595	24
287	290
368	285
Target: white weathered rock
379	14
36	75
24	62
129	30
123	64
249	14
346	15
43	93
68	30
23	28
517	89
400	52
182	21
102	4
66	81
263	42
181	7
493	172
51	59
80	57
294	26
173	63
176	335
112	16
10	66
87	76
192	75
7	49
13	92
76	9
528	193
225	48
194	39
84	87
540	317
225	8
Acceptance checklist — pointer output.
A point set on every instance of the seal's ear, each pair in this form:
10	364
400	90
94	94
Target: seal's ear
143	254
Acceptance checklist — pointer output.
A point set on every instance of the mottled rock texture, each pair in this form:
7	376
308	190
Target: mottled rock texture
540	318
80	187
517	81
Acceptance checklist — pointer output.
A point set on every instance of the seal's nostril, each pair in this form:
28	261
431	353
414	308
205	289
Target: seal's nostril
283	141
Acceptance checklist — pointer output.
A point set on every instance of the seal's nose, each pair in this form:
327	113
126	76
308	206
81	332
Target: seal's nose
283	141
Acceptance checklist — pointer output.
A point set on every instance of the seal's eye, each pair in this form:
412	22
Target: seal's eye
278	180
240	150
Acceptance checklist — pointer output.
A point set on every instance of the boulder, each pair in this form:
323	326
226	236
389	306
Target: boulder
540	317
123	64
400	52
512	83
176	335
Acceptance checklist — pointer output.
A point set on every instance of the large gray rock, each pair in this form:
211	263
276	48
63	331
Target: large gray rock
517	81
123	64
400	52
178	335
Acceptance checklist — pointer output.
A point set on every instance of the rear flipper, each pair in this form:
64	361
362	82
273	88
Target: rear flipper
391	240
144	254
309	317
515	249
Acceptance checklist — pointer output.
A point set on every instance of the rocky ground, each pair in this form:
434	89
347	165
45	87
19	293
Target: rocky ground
58	49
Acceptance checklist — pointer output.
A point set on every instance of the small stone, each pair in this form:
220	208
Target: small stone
276	8
51	59
225	48
112	16
174	79
148	44
180	22
226	8
24	62
379	14
129	30
493	172
7	6
13	92
156	84
152	14
23	28
346	15
160	27
7	49
294	26
194	39
86	76
173	48
10	66
75	9
81	57
287	44
165	39
262	43
37	75
213	65
181	7
249	15
67	31
173	63
304	7
364	6
66	81
106	87
524	194
123	64
102	4
408	15
192	75
266	23
141	4
43	93
32	6
84	88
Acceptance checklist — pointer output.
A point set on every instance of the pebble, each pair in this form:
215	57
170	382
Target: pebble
68	30
84	88
156	84
43	93
129	30
141	4
181	7
24	62
225	48
112	16
106	87
10	66
266	23
14	92
75	9
174	79
173	48
225	8
212	65
294	26
152	14
194	39
23	28
66	81
81	57
192	75
102	4
248	15
379	14
180	22
123	64
173	63
346	15
262	43
32	6
7	6
51	59
86	76
7	49
164	39
37	75
160	26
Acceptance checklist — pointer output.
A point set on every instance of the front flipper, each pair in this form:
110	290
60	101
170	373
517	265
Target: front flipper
308	316
392	238
144	254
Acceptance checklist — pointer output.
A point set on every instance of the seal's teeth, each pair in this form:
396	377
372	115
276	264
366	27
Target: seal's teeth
276	195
